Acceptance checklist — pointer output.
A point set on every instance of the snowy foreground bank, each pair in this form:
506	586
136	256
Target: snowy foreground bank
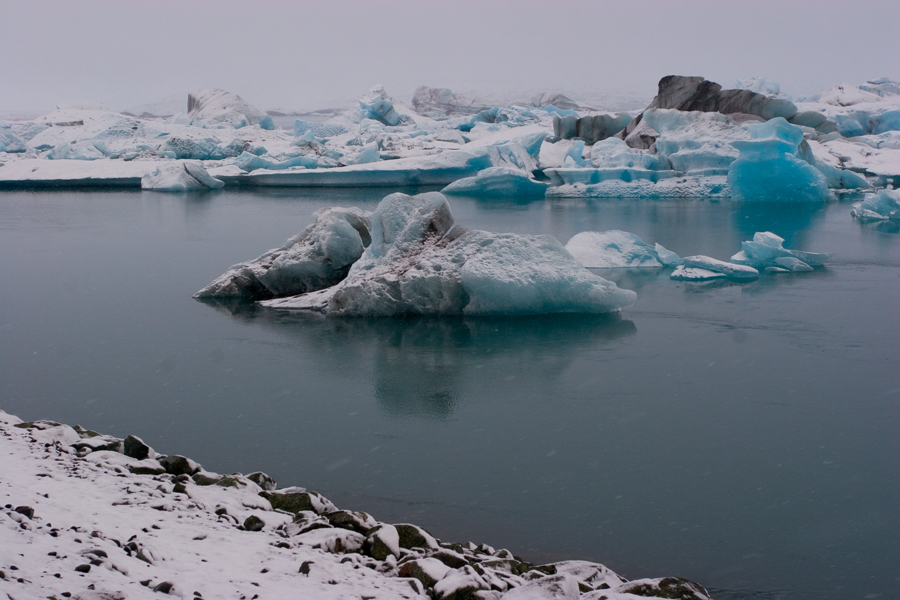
694	139
93	517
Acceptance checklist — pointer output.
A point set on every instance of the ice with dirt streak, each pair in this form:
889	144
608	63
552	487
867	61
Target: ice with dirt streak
420	262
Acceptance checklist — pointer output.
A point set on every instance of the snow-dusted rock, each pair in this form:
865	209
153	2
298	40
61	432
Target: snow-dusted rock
419	262
180	176
553	587
316	258
618	249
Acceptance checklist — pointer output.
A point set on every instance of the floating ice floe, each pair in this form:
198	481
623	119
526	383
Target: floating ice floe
618	249
880	206
420	262
314	259
180	176
498	181
703	267
766	251
770	170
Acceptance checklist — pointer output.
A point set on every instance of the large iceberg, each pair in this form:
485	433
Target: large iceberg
769	168
180	176
767	250
618	249
218	107
314	259
421	263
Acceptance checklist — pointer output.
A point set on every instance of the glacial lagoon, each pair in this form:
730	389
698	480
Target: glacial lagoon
744	436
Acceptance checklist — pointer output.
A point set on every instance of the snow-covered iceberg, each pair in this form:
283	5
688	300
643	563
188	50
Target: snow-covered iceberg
881	206
497	181
770	170
767	250
420	262
314	259
180	176
618	249
221	108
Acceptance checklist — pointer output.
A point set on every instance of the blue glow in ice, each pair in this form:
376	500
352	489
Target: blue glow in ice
769	169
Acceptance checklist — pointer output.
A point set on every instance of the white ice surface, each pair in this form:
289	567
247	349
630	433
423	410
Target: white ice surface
618	249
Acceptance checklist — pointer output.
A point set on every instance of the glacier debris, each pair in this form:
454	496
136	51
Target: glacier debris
881	206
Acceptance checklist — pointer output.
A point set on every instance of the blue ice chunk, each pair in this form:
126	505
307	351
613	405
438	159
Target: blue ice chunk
368	155
10	142
267	123
420	262
320	130
881	206
250	162
612	249
731	270
769	169
27	130
377	105
849	126
613	152
84	150
497	181
575	155
766	247
886	121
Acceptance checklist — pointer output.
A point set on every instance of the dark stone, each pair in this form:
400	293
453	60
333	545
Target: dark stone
414	570
375	546
673	588
450	558
263	481
254	523
359	522
163	588
294	502
179	488
565	128
304	567
25	510
201	479
97	552
136	448
687	93
179	465
412	536
83	568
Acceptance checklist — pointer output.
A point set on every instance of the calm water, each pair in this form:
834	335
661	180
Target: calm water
744	436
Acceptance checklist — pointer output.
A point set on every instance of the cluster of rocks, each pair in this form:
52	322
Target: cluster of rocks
440	570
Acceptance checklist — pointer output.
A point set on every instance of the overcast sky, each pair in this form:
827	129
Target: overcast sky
316	54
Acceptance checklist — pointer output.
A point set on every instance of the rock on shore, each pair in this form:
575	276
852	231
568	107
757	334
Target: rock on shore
93	517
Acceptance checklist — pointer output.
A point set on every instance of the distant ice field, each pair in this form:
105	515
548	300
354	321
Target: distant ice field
742	435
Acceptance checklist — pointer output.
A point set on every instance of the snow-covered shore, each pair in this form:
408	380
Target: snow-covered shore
93	517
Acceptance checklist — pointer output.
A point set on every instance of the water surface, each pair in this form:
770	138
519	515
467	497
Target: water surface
744	436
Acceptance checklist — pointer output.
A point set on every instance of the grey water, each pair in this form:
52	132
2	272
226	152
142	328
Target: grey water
743	436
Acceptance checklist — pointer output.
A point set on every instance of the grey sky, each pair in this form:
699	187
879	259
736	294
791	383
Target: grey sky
315	54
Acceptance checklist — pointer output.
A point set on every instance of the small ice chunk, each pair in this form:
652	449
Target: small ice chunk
766	247
682	273
250	162
792	264
612	249
667	257
180	176
731	270
883	205
497	181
